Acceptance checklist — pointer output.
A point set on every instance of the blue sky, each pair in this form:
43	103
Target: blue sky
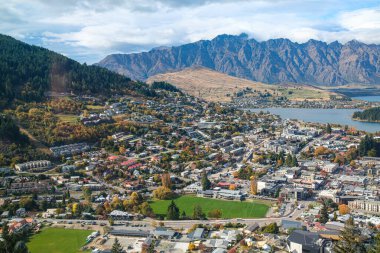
87	31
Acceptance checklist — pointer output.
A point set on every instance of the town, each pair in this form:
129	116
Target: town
184	175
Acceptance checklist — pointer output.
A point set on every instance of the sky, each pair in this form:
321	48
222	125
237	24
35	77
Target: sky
87	31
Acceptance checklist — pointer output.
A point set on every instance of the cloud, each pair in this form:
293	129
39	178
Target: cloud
88	30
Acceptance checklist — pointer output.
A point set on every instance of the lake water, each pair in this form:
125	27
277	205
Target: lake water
368	98
332	116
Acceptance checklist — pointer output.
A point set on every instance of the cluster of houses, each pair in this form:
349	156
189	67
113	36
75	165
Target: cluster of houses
69	150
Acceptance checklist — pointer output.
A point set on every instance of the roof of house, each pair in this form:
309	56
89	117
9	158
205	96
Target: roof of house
164	232
136	233
286	224
303	237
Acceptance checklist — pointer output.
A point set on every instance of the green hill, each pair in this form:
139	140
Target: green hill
28	72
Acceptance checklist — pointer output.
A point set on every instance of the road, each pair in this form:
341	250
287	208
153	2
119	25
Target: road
177	224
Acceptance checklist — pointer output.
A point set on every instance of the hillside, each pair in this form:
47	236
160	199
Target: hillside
368	115
28	72
215	86
272	61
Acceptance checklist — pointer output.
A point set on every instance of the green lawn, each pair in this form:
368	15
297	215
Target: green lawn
58	240
230	209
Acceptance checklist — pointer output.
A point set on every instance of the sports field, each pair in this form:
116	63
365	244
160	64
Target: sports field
230	209
58	240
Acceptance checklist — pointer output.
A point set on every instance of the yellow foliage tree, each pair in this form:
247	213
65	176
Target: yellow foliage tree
162	193
166	181
75	208
192	246
115	201
343	209
253	185
321	151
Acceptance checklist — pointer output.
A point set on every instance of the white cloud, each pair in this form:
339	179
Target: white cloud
99	27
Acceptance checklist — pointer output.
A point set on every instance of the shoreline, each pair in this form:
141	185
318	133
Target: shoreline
367	121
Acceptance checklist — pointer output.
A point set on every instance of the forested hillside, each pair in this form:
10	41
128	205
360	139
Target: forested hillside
28	72
371	115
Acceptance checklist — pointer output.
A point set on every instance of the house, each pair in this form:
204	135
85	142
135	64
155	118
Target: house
229	194
290	224
120	215
304	241
251	228
34	165
21	212
217	244
5	214
71	149
131	233
51	212
164	233
197	234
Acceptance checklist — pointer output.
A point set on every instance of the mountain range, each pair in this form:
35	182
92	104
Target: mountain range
272	61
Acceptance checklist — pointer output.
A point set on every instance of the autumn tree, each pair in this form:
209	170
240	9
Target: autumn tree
146	209
163	193
232	187
343	209
166	181
215	213
320	151
135	199
191	246
253	185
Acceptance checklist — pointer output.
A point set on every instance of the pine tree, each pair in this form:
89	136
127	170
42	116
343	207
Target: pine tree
206	184
294	161
198	213
376	244
328	128
173	212
183	215
20	247
116	247
324	214
350	239
289	160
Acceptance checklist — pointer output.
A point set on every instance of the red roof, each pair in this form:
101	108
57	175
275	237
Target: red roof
128	163
112	158
135	166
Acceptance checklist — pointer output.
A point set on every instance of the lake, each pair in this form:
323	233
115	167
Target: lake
368	98
332	116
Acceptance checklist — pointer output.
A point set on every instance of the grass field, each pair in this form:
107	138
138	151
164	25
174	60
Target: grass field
95	107
230	209
58	240
68	118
